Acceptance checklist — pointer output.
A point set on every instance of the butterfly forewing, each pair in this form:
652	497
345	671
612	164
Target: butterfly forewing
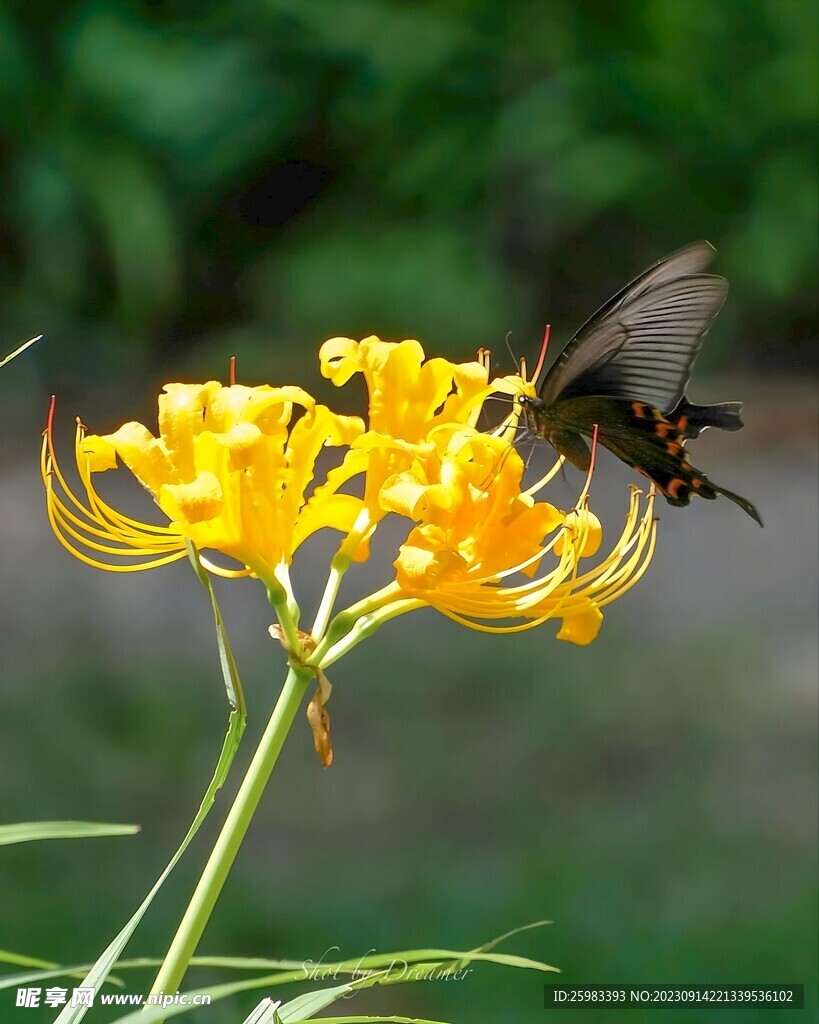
649	334
691	259
623	378
659	336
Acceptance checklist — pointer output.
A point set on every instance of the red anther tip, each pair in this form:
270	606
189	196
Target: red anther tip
232	371
541	359
50	418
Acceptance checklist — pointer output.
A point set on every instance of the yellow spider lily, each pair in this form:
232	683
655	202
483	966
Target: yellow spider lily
229	469
232	468
477	525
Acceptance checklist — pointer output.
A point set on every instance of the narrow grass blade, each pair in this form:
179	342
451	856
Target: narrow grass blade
23	960
379	1020
236	725
50	970
31	831
265	1013
18	351
487	946
306	1005
230	673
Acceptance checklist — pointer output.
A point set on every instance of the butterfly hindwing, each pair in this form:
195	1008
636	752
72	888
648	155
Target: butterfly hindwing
653	443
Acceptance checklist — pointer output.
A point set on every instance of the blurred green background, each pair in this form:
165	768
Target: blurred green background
180	182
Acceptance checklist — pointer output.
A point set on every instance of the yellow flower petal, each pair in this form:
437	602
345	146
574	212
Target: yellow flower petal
242	442
406	495
142	454
338	360
181	418
425	561
102	455
582	627
584	528
194	502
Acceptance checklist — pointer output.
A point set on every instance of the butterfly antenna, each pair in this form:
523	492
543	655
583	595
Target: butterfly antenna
492	475
531	452
509	347
232	371
541	359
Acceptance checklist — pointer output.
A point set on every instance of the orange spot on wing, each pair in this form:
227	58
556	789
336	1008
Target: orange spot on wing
639	409
673	487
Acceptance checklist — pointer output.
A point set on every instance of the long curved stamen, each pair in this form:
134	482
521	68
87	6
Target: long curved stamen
121	524
81	529
520	627
581	502
618	572
100	513
584	493
546	478
219	570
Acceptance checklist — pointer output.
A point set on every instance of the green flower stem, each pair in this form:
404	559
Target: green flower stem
230	838
338	567
282	608
365	626
328	598
348	619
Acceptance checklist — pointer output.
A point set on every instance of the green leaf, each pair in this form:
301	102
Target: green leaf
487	946
29	831
22	960
267	1012
379	1020
17	351
47	969
292	971
236	725
230	674
306	1005
295	970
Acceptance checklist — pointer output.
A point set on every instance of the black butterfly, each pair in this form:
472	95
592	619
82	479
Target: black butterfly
626	371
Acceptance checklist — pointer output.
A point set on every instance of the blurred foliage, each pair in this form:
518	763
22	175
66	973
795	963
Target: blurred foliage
270	172
181	181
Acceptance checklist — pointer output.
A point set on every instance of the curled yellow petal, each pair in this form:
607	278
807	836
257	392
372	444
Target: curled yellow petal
581	627
195	502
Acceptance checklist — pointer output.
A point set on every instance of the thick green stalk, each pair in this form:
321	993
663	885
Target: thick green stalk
230	838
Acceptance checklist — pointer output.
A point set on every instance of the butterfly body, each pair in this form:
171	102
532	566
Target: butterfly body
626	371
